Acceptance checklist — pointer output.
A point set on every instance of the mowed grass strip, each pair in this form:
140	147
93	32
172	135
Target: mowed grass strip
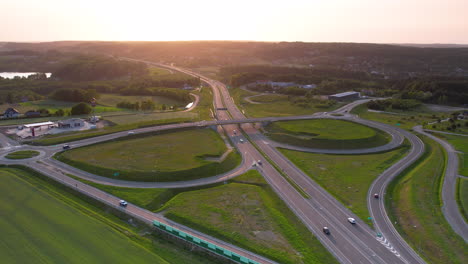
462	196
460	143
347	177
22	154
414	204
326	133
170	156
37	227
251	216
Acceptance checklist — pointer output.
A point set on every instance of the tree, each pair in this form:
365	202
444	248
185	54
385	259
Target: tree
81	109
59	112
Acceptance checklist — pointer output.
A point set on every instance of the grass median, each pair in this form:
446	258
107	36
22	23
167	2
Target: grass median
41	221
167	156
347	177
22	154
326	133
414	203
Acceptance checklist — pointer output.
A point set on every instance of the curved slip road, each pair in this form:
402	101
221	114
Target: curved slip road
450	207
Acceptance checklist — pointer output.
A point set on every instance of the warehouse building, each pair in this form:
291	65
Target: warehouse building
346	96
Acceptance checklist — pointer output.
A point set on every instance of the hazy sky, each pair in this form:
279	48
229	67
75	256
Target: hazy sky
382	21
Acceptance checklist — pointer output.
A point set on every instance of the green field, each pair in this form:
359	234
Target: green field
269	98
326	133
404	119
171	156
460	143
276	106
147	117
114	99
413	202
22	154
43	223
347	177
53	105
245	212
462	196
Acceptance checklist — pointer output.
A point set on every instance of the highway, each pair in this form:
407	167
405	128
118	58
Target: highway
450	207
348	243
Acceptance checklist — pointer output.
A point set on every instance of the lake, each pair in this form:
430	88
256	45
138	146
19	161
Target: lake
11	75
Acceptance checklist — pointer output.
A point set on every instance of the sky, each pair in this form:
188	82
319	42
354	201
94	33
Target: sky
377	21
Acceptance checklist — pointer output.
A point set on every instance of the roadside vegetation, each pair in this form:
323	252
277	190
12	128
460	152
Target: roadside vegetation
270	105
245	212
460	143
40	220
414	205
164	156
347	177
22	154
462	196
326	133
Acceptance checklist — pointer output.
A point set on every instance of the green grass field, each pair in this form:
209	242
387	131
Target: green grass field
179	155
280	106
245	212
347	177
147	117
53	105
413	201
462	196
39	224
460	143
269	98
326	133
22	154
114	99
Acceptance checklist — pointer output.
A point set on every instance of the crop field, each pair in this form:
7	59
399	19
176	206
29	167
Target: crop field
326	133
40	225
22	154
462	196
179	155
347	177
460	143
114	99
414	204
273	106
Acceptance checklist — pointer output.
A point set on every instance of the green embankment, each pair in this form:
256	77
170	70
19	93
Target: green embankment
347	177
245	212
462	196
22	154
326	133
460	143
175	156
413	202
42	222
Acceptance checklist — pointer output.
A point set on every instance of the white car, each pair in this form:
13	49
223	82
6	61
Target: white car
241	140
131	132
352	220
123	203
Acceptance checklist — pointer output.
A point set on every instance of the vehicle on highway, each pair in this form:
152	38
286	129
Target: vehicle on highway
259	162
241	140
352	220
123	203
131	132
326	230
376	195
66	146
235	132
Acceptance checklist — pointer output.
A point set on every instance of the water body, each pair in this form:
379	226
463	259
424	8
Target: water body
11	75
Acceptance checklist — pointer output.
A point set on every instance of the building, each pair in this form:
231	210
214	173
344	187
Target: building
70	123
346	96
11	113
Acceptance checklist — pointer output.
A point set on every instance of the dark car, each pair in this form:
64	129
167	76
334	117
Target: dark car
326	230
66	147
376	195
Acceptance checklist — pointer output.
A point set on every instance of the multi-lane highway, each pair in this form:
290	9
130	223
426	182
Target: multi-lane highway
349	243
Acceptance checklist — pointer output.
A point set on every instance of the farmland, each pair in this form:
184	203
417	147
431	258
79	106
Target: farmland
167	156
43	222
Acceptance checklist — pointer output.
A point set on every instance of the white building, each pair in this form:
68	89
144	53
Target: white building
70	123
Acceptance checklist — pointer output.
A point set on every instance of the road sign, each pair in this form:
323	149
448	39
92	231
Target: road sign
369	218
397	124
116	174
